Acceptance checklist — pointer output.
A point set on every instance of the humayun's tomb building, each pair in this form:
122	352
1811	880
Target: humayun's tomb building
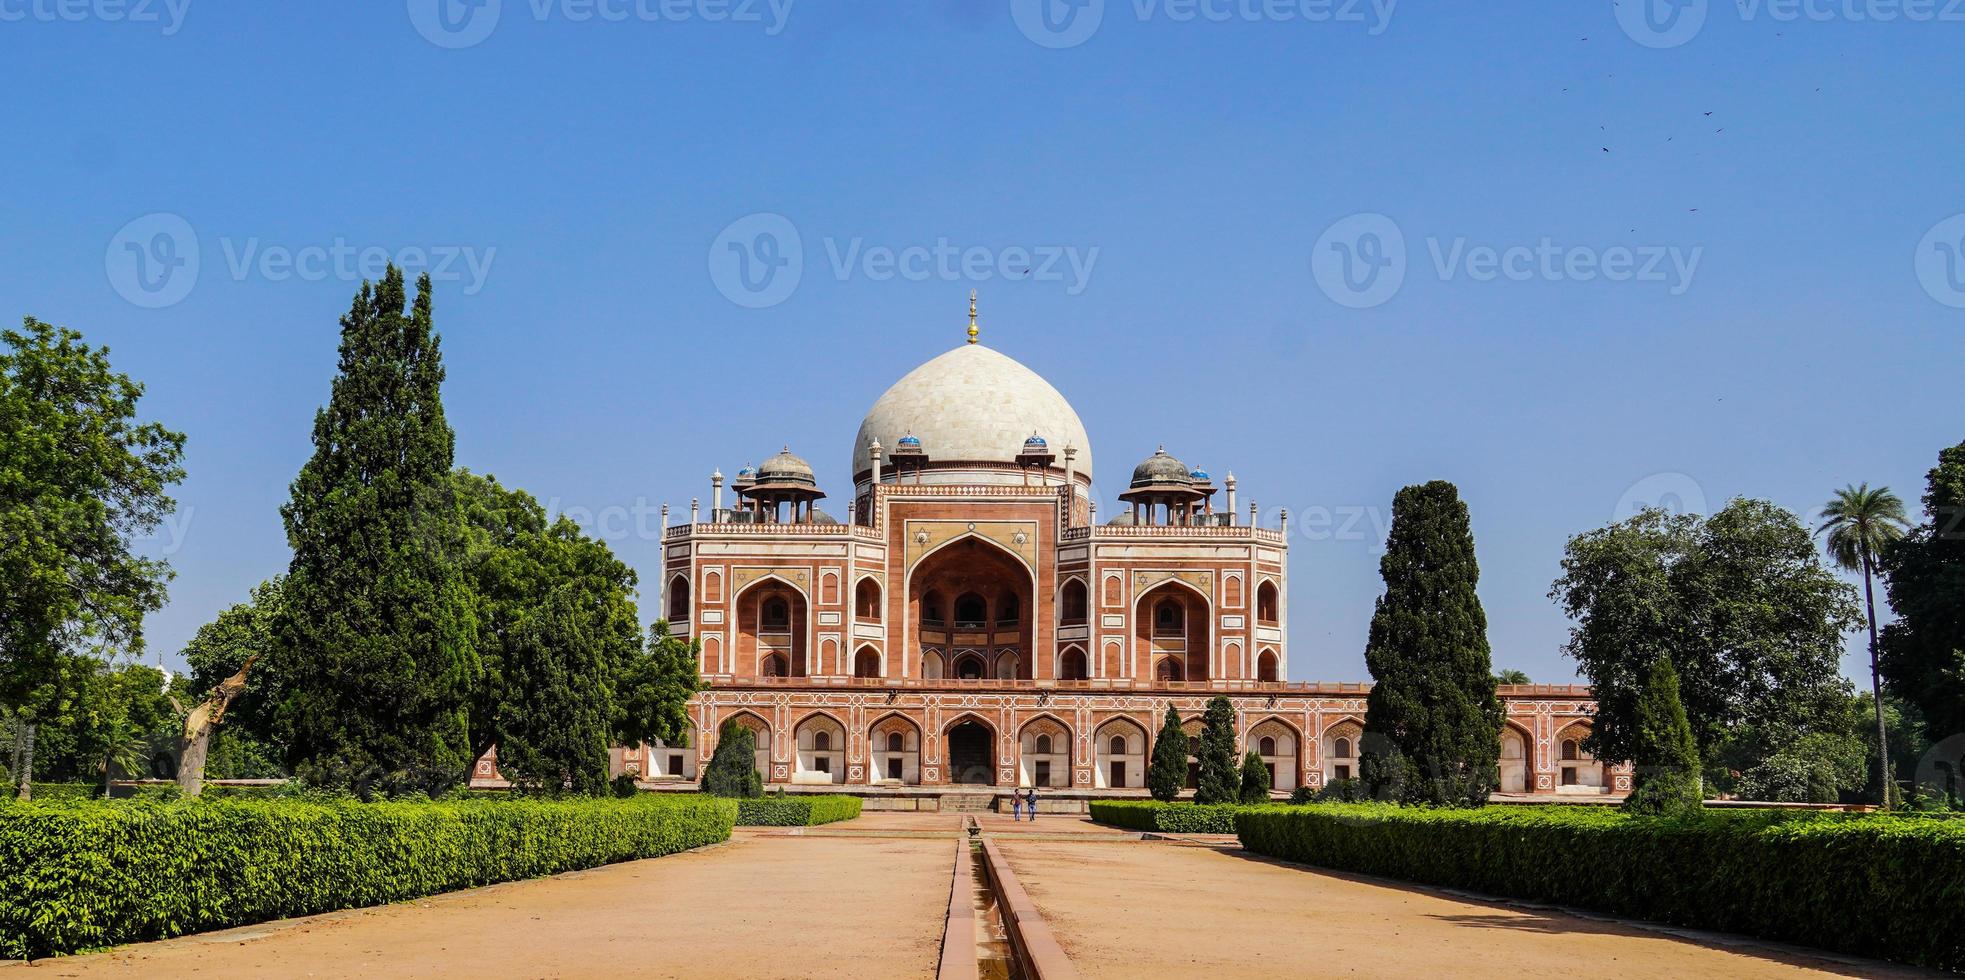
974	623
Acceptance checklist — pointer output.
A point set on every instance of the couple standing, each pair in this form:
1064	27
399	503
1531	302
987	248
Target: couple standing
1024	803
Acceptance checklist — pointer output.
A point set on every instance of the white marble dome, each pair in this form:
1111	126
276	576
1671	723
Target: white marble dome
973	405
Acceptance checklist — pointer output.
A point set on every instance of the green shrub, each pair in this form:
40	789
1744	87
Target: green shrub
624	786
1255	779
1302	795
732	770
781	810
79	876
1171	818
1870	885
1342	791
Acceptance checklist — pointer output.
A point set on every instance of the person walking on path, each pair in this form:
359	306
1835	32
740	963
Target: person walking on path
1016	807
1030	803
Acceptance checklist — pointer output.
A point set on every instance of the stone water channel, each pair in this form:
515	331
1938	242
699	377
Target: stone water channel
994	961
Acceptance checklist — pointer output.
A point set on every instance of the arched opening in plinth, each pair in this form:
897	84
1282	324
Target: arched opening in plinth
1277	743
1044	755
971	753
895	745
1515	759
821	751
1120	748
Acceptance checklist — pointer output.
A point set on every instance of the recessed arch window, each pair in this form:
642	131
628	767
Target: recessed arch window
1265	603
773	666
1071	667
1343	748
1008	609
1266	747
679	598
1169	670
866	601
971	612
1169	617
1571	751
1118	745
776	613
1071	604
1043	745
895	743
931	610
822	741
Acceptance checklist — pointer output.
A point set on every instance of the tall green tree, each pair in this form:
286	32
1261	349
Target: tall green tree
246	744
1255	778
654	687
1922	653
1432	721
733	766
1667	760
1220	779
376	643
81	480
1860	523
1741	602
1168	772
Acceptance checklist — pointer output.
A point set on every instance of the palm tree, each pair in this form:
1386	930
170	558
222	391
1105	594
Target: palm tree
1860	522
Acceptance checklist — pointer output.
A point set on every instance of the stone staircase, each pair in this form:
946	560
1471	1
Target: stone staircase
967	802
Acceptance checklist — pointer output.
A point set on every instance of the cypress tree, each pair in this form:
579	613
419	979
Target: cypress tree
1255	779
1169	770
376	640
1667	758
1432	722
733	766
1221	778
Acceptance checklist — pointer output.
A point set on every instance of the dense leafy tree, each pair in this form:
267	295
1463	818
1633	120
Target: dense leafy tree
105	721
654	687
1741	603
550	674
1168	772
1255	779
1860	524
1432	721
1821	764
733	766
376	641
1922	655
1220	779
558	695
1667	759
80	480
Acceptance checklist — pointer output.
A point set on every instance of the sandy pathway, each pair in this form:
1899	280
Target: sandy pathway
1160	909
762	907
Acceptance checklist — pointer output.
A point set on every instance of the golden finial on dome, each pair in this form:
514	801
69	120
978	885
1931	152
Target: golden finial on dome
974	330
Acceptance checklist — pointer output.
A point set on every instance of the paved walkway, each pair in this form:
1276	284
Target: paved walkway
764	907
1165	910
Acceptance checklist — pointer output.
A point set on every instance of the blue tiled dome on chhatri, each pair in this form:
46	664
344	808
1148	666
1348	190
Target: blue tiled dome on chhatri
1035	442
1199	476
910	441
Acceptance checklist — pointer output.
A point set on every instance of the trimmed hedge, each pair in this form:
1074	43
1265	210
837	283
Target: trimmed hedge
1868	885
76	877
1170	818
796	811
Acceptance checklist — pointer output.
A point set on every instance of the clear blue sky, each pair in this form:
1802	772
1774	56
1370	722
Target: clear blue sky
597	363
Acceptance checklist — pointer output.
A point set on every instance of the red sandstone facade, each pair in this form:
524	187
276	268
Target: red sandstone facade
971	624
